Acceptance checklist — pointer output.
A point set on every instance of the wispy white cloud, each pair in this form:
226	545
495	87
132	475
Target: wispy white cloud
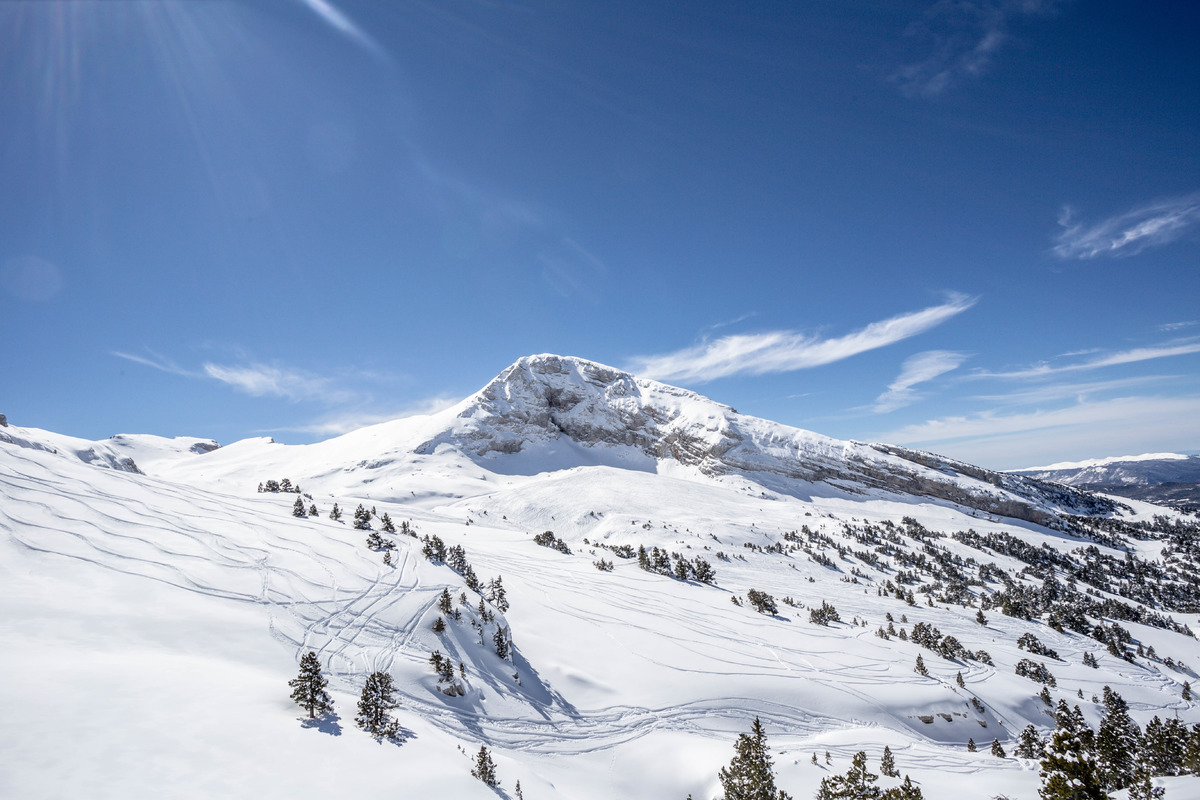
338	20
785	351
347	421
1151	225
916	369
261	380
1178	326
1079	391
1086	429
964	38
155	361
1178	348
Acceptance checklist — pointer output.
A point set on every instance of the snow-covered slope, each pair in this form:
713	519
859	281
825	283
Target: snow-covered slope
154	617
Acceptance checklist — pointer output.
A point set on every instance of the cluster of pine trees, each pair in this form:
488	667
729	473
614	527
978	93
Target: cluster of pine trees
1078	763
375	704
675	565
273	485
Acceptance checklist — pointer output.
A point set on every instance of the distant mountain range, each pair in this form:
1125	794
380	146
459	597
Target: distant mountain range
1166	478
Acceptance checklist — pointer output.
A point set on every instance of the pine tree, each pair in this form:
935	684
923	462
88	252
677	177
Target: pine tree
517	791
375	704
312	510
362	518
496	594
308	688
1186	695
980	618
503	646
998	750
485	769
445	602
703	571
905	791
386	523
298	507
439	625
336	514
958	678
887	764
857	784
971	748
1141	785
1068	771
1030	744
749	775
920	668
1117	742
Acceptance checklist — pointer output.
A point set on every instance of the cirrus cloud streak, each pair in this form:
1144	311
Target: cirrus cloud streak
785	351
1127	234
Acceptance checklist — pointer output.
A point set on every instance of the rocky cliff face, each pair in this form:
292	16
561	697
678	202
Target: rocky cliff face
542	399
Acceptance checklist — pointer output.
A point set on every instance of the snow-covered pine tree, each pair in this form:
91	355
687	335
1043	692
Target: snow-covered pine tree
1068	770
1117	742
905	791
362	518
312	510
386	522
308	688
485	768
1141	785
971	747
336	513
445	602
749	775
920	669
998	749
298	507
375	706
1030	744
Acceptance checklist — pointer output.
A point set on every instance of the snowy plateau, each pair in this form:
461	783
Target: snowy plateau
156	602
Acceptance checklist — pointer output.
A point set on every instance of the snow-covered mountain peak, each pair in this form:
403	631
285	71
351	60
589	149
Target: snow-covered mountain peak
547	398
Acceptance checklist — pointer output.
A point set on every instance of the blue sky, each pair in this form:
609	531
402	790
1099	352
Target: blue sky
969	227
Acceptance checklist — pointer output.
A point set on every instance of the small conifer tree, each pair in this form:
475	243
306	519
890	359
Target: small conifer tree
920	668
1030	744
998	750
298	507
971	748
312	510
485	768
308	688
336	513
887	764
749	775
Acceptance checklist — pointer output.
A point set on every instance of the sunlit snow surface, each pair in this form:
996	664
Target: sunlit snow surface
152	622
